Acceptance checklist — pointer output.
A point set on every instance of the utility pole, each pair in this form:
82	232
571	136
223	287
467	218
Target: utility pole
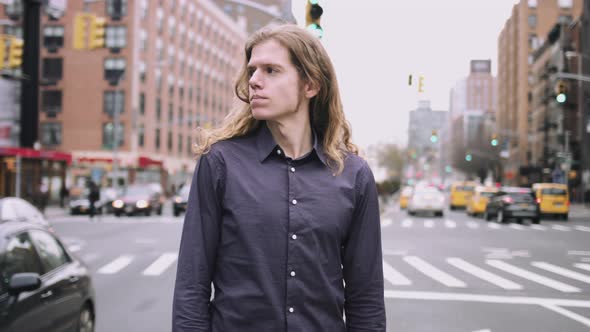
29	113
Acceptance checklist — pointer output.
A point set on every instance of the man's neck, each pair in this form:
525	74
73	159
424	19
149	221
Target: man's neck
294	137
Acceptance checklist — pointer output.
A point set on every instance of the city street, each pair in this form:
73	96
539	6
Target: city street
455	273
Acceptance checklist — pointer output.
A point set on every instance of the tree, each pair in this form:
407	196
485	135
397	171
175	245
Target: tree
391	157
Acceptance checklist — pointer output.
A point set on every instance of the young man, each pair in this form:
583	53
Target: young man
283	215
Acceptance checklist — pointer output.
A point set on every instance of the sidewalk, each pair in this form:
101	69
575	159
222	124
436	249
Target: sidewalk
578	210
54	211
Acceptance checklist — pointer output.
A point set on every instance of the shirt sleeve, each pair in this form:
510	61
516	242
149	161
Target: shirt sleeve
362	261
198	249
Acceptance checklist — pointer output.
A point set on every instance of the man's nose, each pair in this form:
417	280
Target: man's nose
255	81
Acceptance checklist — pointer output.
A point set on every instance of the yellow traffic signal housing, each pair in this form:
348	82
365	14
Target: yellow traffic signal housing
80	31
97	32
313	14
421	84
561	91
2	51
15	52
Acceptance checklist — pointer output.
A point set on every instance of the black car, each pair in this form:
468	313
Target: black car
139	199
180	200
42	286
513	202
81	204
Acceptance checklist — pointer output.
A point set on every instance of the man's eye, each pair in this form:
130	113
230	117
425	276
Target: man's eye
270	70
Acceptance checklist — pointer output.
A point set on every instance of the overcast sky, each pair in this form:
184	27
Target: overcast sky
376	44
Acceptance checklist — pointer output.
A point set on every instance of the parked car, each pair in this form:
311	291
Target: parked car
81	204
479	200
180	200
139	199
43	287
17	209
553	199
513	202
426	200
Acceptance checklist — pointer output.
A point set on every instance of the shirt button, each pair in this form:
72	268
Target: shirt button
294	202
291	309
294	237
292	273
293	169
279	152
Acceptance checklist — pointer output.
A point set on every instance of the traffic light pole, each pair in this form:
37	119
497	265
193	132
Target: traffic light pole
29	112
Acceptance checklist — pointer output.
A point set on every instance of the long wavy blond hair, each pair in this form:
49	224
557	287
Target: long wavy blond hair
314	66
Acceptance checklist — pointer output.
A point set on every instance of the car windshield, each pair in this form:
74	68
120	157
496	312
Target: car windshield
464	188
522	197
553	191
487	193
137	190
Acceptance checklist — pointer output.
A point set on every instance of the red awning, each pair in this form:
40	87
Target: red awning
94	160
36	154
145	162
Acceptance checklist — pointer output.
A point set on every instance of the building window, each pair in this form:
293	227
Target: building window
533	41
180	141
157	139
160	20
116	37
169	141
180	116
143	41
141	135
189	148
52	69
51	133
14	9
114	69
145	7
565	3
158	109
170	113
13	30
532	3
142	103
53	37
51	102
117	8
114	101
228	9
533	21
158	81
108	135
565	19
142	68
190	118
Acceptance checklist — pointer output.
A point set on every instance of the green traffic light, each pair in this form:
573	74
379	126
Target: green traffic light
448	169
494	142
561	98
316	30
314	2
468	157
433	139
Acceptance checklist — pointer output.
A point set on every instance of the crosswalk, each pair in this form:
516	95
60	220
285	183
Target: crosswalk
150	267
457	273
432	224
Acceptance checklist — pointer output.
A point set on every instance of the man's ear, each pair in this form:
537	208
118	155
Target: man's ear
311	89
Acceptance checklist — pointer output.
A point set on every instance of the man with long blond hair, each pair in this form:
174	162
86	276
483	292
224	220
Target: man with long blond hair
283	216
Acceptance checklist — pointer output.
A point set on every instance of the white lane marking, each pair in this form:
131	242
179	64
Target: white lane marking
487	330
578	253
440	296
582	228
450	224
539	227
394	277
561	228
429	223
483	274
472	224
532	276
583	266
569	314
117	265
74	248
87	258
518	227
561	271
434	273
161	264
493	225
407	223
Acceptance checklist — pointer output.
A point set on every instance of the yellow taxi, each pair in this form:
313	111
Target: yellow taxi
405	197
461	192
480	199
553	199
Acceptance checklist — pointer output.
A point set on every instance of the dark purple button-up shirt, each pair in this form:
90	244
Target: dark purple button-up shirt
287	245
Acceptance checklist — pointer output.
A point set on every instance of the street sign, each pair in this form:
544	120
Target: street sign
55	8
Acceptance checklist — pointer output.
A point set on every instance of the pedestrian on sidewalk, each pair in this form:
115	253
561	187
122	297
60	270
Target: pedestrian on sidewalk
93	197
283	215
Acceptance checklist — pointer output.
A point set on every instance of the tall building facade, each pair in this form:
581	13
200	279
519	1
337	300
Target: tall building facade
253	15
523	33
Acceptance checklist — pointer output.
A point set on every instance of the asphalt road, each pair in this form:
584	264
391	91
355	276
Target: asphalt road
455	273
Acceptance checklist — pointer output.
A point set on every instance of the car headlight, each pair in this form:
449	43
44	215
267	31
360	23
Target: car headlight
118	204
177	199
141	204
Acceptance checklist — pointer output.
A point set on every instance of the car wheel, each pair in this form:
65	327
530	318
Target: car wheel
536	220
440	214
86	320
452	208
148	213
117	214
160	210
565	216
500	217
176	213
486	216
411	212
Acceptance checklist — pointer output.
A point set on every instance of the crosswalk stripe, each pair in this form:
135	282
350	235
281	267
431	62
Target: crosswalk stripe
428	223
493	225
434	273
532	276
583	266
394	277
518	227
161	264
483	274
407	223
472	225
561	228
561	271
539	227
450	224
582	228
117	265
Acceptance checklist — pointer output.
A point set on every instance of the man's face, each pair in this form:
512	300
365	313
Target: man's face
276	91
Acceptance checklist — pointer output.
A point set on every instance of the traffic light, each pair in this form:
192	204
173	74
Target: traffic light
561	91
434	136
80	31
97	32
2	51
421	84
313	13
15	52
494	140
468	157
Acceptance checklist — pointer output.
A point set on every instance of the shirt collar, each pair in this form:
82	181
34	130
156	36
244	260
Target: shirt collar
266	144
